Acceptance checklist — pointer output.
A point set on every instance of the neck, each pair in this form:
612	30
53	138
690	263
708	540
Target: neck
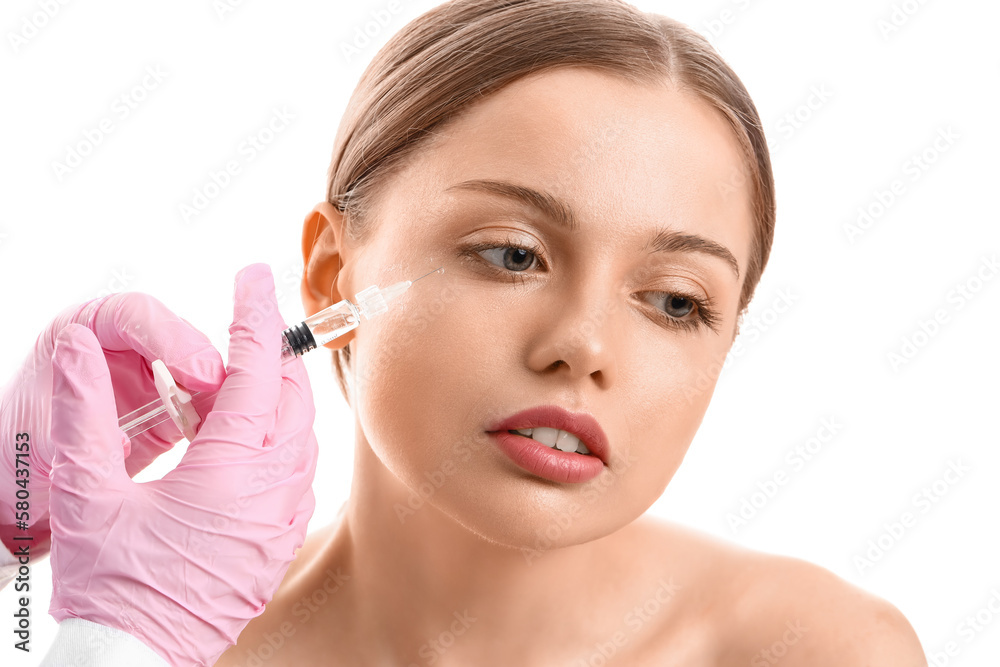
417	575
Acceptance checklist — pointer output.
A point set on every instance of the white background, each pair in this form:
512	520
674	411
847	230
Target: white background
113	223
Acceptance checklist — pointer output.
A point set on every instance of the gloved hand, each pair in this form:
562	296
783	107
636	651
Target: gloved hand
133	329
184	562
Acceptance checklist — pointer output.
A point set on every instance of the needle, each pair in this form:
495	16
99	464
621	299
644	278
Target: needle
440	268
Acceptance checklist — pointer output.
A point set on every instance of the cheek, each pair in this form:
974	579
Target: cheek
666	392
693	378
419	378
429	373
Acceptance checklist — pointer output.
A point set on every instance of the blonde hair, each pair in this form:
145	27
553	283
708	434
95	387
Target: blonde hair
459	52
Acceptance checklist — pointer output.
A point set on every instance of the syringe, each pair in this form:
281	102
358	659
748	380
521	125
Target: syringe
319	329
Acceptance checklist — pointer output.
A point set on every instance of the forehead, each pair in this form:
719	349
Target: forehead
637	155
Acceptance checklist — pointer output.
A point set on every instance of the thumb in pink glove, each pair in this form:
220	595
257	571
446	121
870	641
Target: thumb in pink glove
185	562
133	329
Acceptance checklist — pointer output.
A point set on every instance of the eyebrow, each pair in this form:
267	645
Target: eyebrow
664	240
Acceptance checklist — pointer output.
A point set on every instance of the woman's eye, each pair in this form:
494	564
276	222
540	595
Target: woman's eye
676	305
511	258
676	310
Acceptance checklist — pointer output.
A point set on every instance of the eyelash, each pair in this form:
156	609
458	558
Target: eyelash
705	315
515	276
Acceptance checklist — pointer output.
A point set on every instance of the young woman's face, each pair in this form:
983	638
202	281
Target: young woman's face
600	318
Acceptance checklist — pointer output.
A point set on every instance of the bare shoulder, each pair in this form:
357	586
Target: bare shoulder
760	609
265	635
802	614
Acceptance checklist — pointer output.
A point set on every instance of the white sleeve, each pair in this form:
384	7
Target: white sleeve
8	567
77	638
100	645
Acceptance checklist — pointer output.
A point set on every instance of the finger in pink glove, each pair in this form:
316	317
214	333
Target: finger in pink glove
133	329
184	562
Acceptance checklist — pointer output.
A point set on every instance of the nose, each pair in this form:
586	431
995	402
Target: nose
576	336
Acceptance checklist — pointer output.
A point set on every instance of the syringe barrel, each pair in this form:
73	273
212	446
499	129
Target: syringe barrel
319	329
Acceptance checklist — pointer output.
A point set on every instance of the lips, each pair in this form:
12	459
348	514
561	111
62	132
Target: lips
580	424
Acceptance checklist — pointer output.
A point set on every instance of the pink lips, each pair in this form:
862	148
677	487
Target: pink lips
547	462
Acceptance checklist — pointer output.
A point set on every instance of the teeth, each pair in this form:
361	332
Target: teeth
553	437
545	435
567	442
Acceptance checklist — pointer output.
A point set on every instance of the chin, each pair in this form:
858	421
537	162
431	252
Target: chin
534	516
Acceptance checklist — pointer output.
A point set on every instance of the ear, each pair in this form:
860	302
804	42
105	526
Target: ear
736	327
323	263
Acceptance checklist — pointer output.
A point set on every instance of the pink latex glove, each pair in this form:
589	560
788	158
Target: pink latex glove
183	563
133	329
